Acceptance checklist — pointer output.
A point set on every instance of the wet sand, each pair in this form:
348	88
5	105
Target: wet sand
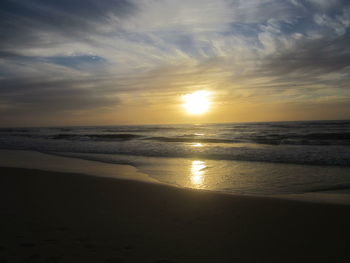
63	217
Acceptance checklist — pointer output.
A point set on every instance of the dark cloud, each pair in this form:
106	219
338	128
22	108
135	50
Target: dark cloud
24	23
321	5
311	60
54	96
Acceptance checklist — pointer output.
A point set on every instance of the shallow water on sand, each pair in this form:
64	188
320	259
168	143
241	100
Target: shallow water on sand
241	177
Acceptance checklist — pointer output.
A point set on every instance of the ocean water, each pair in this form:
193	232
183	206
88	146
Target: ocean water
246	158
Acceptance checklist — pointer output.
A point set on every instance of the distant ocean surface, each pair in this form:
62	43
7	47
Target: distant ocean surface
249	158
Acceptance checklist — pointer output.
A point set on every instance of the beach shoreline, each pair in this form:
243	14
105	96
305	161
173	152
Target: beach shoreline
56	162
51	162
64	217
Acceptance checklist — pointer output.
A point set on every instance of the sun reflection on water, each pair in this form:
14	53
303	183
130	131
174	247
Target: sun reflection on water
197	145
197	173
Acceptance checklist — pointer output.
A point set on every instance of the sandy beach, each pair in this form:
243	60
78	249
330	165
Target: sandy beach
65	217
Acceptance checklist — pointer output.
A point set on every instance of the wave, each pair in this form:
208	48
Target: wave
245	154
114	137
304	139
270	139
189	140
129	136
328	136
140	129
334	138
326	123
126	130
313	155
11	130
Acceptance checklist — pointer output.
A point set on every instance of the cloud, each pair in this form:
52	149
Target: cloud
59	56
39	22
313	57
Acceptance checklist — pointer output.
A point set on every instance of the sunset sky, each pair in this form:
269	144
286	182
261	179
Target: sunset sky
105	62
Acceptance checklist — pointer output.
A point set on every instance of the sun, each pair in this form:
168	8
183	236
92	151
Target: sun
197	102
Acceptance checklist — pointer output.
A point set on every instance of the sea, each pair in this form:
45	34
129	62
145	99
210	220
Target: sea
262	158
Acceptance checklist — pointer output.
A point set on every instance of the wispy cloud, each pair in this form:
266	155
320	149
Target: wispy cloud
99	56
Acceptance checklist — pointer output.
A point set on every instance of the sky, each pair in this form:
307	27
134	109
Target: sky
106	62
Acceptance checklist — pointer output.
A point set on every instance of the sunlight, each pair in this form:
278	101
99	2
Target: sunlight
197	102
197	145
197	172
